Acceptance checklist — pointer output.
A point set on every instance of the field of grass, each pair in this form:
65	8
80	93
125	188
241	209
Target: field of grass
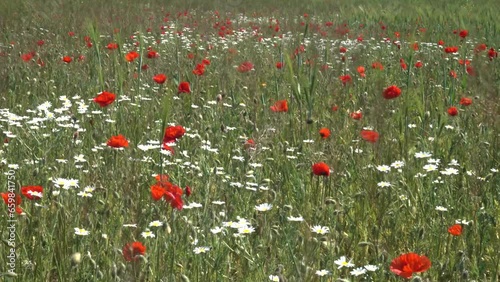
293	141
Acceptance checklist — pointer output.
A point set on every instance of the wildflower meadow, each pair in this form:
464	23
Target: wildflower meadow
231	140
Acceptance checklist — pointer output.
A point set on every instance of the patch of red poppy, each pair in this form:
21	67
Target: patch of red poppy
455	230
132	251
152	54
280	106
391	92
419	64
67	59
452	111
492	53
172	133
279	65
361	70
27	57
118	141
184	87
464	101
324	132
452	49
407	264
112	46
377	65
356	115
105	98
27	192
131	56
199	70
160	78
369	136
463	33
345	79
245	67
11	198
321	169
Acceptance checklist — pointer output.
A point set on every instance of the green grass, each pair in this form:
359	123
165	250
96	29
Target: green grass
368	224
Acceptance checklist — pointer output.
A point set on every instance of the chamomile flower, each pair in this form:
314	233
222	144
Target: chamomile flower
358	271
449	171
155	223
383	168
384	184
423	155
441	208
84	194
263	207
430	167
147	234
322	272
201	250
246	230
297	219
342	262
318	229
371	267
81	231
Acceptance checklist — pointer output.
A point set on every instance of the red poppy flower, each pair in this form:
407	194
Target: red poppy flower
184	87
463	33
9	195
161	178
157	192
415	46
361	70
172	133
132	251
464	101
407	264
279	65
118	141
27	191
67	59
188	191
470	71
452	49
356	115
342	49
391	92
205	62
160	78
455	230
280	106
453	74
335	108
479	48
249	144
245	67
27	57
324	132
152	54
40	42
131	56
492	53
112	46
199	70
369	135
377	65
321	169
452	111
440	42
419	64
105	98
345	79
